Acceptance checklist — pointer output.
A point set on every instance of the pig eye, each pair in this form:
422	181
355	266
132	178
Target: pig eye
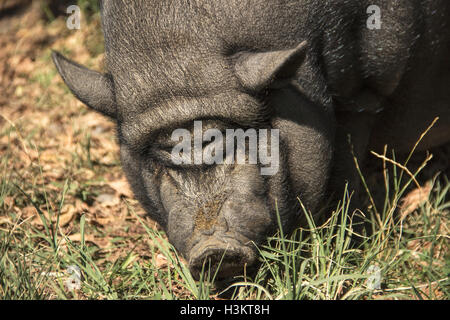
163	155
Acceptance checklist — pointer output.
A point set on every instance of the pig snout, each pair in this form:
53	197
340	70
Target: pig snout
222	257
222	244
218	218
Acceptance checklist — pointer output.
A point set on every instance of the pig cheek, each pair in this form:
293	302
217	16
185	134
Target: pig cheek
180	224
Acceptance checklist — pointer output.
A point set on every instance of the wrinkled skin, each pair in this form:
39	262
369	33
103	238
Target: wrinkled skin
301	66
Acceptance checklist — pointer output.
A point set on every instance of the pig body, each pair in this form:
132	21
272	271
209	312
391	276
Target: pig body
311	69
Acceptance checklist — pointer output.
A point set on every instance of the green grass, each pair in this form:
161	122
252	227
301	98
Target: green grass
317	262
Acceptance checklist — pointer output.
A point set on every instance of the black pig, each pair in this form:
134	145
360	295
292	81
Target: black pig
315	70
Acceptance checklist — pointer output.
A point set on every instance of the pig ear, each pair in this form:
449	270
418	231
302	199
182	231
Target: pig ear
90	87
257	71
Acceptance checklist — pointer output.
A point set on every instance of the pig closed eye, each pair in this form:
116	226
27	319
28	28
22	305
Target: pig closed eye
161	154
166	156
204	157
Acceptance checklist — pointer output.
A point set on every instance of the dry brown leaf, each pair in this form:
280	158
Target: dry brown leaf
64	219
25	66
9	202
413	244
81	206
5	220
121	187
160	261
103	221
108	200
28	212
87	174
87	238
415	199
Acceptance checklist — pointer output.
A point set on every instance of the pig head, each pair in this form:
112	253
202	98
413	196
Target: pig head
167	67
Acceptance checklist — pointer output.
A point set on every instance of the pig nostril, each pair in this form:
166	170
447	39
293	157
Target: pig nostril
220	262
214	261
